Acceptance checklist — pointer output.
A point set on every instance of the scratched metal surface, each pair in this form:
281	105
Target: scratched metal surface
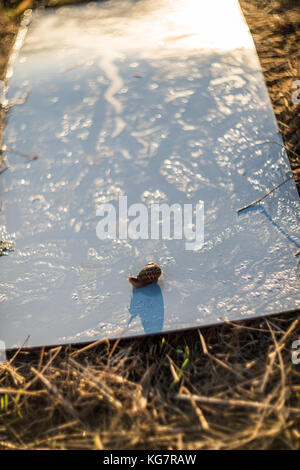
159	101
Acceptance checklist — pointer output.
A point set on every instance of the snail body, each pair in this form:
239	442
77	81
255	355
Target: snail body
148	274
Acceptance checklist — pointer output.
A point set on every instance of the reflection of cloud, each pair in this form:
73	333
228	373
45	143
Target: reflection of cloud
148	27
147	302
111	94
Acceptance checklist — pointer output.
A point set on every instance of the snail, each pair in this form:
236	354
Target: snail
148	274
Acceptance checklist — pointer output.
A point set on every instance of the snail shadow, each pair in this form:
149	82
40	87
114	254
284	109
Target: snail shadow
147	303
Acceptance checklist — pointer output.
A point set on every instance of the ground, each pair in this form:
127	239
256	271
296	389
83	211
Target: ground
234	386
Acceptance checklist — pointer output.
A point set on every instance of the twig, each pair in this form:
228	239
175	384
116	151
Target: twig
273	354
60	427
229	402
265	195
3	160
281	364
281	145
18	350
96	381
197	410
217	360
2	170
19	101
16	391
276	187
30	156
53	389
89	346
56	352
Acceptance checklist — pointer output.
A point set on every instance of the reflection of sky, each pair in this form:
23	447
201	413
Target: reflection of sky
168	115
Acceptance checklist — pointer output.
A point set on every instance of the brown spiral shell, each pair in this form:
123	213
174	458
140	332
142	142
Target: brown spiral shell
148	274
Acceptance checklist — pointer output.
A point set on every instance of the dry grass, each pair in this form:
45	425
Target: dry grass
8	30
275	26
226	387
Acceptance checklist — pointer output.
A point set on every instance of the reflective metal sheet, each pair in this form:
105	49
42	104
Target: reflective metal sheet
159	101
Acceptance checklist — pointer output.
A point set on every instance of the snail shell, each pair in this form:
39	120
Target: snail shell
148	274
